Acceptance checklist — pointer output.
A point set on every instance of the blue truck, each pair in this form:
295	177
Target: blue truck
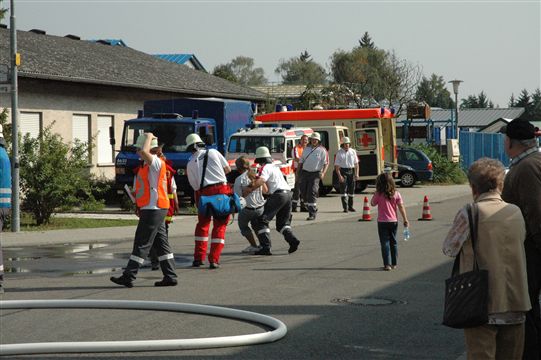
171	121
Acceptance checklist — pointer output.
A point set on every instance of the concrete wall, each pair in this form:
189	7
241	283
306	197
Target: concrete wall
59	101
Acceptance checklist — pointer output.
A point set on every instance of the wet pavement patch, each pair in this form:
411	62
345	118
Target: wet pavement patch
367	301
70	260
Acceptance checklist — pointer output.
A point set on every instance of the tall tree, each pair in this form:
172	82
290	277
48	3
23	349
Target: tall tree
535	112
434	92
512	101
524	100
479	101
374	75
301	70
3	11
225	72
366	41
242	68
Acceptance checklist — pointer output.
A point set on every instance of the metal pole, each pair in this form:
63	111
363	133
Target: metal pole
456	114
15	214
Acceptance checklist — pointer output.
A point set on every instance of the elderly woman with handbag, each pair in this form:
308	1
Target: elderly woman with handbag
489	235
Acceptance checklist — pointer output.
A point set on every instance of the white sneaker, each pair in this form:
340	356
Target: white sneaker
250	249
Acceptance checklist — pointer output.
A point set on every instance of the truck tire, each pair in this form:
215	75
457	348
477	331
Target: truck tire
324	190
360	186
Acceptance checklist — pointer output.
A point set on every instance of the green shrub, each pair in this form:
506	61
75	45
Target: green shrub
445	171
53	174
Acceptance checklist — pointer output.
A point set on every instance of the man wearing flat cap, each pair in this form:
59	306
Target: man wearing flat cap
522	187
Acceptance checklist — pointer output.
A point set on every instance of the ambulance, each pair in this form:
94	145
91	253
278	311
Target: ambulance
373	135
279	140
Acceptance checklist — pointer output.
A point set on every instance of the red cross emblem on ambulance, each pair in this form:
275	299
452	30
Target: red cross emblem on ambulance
366	140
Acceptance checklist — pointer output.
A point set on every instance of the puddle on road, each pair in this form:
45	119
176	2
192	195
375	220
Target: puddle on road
71	260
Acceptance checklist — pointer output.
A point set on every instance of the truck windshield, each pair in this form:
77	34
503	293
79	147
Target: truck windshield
248	144
170	135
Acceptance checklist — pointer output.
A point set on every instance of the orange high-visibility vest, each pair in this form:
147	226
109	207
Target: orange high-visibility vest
169	174
297	154
142	188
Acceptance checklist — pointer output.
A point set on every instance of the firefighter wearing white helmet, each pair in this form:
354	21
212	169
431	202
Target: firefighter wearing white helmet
153	203
346	167
314	163
206	172
278	204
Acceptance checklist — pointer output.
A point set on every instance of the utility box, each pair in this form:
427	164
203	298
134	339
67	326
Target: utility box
453	150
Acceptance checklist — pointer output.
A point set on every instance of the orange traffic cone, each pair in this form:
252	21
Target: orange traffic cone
366	211
426	211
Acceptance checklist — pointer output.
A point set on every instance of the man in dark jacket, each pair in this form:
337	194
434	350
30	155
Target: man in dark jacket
522	187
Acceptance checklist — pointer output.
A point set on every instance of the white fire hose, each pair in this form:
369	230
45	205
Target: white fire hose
278	332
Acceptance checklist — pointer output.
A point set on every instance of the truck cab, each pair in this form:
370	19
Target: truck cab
279	140
171	130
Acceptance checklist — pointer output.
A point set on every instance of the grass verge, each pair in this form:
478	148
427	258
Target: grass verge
56	223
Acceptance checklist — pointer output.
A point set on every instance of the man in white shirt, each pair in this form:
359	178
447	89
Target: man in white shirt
206	172
278	204
346	166
314	163
254	202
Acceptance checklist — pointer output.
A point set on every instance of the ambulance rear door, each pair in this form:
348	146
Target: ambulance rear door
368	146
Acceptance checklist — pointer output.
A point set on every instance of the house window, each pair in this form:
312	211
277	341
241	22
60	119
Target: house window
80	129
104	149
30	123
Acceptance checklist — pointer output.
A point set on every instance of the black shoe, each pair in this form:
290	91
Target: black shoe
293	246
266	252
311	217
197	263
294	209
351	209
214	266
345	210
155	267
166	281
122	280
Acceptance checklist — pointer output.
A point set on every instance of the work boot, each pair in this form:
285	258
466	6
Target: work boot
294	209
311	217
122	280
166	281
351	209
213	266
197	263
293	246
265	252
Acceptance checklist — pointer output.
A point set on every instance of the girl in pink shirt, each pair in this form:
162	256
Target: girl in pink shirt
387	199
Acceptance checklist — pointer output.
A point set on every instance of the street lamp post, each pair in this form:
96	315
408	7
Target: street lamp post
456	84
15	206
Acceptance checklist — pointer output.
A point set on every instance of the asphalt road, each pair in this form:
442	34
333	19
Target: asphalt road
317	292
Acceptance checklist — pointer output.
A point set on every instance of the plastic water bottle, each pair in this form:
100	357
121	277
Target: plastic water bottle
406	233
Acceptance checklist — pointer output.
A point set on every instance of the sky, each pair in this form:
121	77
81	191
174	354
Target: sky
493	46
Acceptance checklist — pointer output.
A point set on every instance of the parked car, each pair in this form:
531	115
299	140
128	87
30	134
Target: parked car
413	166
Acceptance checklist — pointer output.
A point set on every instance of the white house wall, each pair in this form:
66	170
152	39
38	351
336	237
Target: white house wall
58	102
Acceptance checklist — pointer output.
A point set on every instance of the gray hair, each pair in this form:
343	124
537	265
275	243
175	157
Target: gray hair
486	175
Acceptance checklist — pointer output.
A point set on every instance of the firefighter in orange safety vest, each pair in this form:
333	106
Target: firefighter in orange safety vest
153	204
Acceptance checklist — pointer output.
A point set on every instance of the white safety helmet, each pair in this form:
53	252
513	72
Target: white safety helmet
141	142
316	135
262	152
345	140
193	139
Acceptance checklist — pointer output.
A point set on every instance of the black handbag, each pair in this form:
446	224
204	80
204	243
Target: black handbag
466	294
